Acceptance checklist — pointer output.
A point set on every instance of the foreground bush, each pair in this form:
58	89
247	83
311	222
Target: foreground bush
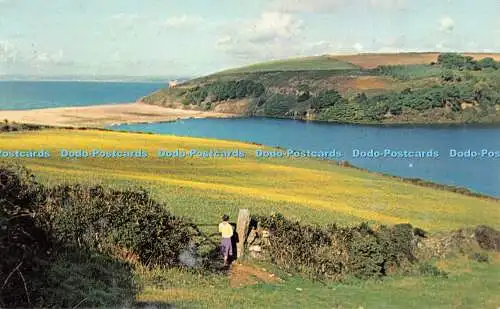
107	220
63	246
36	268
337	252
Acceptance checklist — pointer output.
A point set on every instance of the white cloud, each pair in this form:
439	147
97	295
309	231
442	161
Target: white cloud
272	35
328	6
446	24
272	26
307	6
183	21
358	47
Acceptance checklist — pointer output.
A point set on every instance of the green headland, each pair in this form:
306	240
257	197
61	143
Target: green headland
413	88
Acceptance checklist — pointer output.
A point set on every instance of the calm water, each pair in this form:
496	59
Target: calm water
479	174
31	95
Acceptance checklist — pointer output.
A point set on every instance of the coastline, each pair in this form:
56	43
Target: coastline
99	116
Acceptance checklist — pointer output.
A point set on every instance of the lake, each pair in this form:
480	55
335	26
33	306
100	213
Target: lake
22	95
359	144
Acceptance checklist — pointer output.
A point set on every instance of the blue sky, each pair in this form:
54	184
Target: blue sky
195	37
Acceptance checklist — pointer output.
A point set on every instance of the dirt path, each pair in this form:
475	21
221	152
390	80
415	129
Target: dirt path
244	275
102	115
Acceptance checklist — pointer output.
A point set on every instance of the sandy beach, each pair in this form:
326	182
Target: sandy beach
103	115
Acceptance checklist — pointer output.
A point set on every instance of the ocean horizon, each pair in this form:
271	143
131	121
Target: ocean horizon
25	95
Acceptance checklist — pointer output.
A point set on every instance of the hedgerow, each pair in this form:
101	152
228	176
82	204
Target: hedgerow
335	252
104	219
60	246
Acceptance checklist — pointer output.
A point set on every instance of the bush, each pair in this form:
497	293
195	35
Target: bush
336	252
63	246
487	237
457	61
25	247
37	269
278	105
102	219
326	99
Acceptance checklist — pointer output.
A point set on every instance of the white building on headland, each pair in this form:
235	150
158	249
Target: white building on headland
172	84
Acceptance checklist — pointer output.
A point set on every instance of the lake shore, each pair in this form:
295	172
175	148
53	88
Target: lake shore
104	115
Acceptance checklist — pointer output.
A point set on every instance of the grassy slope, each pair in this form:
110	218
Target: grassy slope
295	64
469	285
346	62
314	191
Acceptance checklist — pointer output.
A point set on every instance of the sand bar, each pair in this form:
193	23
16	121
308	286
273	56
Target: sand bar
103	115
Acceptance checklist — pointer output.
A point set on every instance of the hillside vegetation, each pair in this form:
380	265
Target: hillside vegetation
450	88
298	64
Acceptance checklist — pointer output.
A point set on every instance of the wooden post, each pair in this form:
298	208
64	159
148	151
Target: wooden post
242	230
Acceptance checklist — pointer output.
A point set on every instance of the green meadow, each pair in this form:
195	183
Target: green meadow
312	191
295	64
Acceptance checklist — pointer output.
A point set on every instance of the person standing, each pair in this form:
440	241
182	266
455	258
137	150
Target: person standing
226	230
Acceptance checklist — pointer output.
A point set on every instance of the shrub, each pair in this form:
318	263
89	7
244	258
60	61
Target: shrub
62	246
38	270
102	219
487	237
278	105
336	252
326	99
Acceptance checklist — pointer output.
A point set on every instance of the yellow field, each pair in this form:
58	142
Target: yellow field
203	189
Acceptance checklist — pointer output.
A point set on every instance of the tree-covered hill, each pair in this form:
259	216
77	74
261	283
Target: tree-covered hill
454	88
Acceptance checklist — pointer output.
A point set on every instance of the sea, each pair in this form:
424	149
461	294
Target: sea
22	95
464	156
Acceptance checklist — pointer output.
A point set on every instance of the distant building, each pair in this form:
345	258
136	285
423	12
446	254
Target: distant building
172	83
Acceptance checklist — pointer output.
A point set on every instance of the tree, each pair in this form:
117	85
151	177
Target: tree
488	63
326	99
303	92
278	105
457	61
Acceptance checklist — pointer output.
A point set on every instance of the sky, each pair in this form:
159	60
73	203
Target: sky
197	37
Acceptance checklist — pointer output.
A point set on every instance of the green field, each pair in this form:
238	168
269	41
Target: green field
311	190
297	64
469	285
